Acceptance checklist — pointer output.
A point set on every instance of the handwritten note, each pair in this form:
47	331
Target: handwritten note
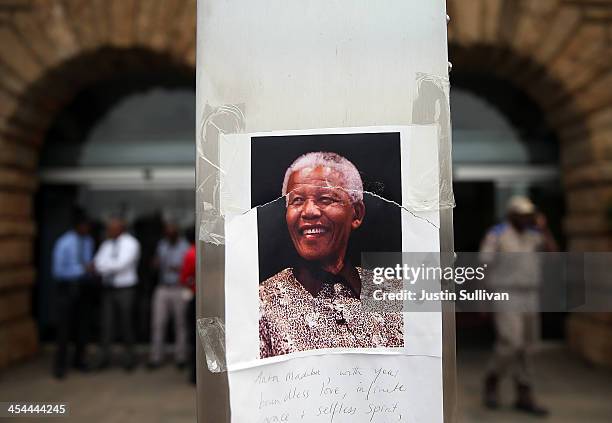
339	388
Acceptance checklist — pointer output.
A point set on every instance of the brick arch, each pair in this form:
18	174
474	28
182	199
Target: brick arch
123	72
559	52
50	51
473	70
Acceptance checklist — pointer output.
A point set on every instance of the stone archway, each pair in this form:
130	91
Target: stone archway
559	53
50	51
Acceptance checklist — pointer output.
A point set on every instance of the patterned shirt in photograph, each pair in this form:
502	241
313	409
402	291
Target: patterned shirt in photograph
71	253
292	319
171	260
117	261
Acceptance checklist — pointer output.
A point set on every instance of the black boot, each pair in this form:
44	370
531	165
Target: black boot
490	397
526	403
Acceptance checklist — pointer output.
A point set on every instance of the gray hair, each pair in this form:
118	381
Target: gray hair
351	180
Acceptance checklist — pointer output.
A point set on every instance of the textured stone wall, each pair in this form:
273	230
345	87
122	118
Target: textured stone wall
559	52
50	50
556	51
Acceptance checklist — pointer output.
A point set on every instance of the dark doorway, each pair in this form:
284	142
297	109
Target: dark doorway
474	214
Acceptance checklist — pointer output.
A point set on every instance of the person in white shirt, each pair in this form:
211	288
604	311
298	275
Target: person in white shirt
169	297
517	332
117	262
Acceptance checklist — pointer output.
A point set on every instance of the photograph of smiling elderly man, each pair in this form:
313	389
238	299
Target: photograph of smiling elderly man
314	302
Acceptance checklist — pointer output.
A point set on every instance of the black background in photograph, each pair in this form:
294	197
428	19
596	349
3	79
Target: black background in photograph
376	156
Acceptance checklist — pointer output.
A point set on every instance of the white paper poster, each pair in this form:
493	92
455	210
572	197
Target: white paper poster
300	346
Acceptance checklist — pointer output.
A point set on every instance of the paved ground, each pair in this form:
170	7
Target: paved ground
111	396
574	392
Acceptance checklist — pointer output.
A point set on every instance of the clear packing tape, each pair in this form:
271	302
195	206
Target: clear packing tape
212	336
228	119
431	191
432	106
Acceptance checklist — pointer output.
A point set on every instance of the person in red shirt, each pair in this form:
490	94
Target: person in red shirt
188	269
187	279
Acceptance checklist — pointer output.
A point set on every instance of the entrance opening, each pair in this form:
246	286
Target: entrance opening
501	147
123	147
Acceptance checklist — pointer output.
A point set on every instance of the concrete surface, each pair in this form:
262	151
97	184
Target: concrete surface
572	390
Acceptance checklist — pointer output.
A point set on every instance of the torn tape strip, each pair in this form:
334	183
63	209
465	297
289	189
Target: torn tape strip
215	122
432	106
212	336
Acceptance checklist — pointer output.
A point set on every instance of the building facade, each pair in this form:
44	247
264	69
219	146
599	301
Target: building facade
558	53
